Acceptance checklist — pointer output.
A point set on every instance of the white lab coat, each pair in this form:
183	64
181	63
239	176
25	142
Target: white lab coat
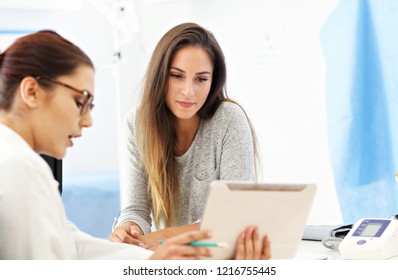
33	223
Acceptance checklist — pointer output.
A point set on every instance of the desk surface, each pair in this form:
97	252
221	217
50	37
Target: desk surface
314	250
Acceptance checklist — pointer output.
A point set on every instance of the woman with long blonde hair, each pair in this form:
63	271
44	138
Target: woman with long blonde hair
185	133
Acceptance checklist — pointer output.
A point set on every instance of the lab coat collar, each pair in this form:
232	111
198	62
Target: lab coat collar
10	135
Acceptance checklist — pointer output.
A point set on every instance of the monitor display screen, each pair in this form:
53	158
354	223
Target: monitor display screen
371	229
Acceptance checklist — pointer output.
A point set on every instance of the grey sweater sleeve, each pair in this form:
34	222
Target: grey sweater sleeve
135	200
237	156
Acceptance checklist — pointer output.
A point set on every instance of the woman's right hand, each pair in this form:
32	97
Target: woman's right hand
128	232
178	248
249	246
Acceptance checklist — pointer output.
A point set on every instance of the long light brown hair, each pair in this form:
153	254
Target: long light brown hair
156	135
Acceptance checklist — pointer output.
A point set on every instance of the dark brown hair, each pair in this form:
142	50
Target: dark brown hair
44	53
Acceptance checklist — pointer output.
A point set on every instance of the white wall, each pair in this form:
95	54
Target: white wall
83	24
275	66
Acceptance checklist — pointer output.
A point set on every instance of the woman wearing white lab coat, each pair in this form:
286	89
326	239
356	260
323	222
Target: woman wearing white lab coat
46	98
46	86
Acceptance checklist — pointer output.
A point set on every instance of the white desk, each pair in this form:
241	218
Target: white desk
314	250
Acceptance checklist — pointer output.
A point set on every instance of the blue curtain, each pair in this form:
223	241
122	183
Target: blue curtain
360	47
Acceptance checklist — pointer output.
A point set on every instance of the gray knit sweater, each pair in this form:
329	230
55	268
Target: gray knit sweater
221	150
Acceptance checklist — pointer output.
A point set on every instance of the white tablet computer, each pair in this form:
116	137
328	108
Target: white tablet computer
279	210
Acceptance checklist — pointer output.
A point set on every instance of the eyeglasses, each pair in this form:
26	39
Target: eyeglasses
86	105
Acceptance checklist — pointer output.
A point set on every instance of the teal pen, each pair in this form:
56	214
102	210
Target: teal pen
208	244
205	244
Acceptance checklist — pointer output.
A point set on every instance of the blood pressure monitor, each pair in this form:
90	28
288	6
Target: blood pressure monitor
371	239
